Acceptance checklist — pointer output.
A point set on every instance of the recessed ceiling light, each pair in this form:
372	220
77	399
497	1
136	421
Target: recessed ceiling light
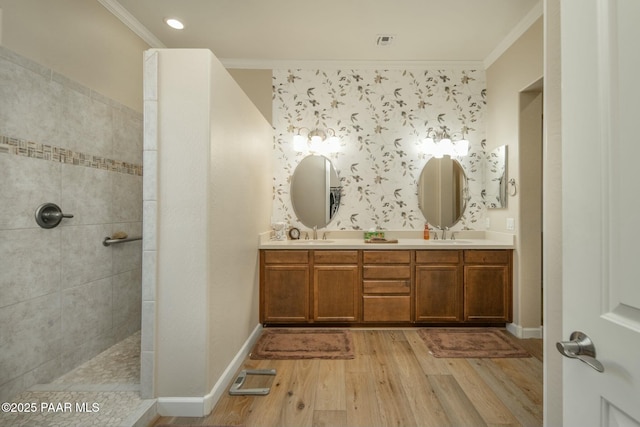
174	23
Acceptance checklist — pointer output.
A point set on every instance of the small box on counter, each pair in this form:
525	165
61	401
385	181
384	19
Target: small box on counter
368	235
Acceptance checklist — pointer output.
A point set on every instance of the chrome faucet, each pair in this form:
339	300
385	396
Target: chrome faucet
453	235
444	233
315	232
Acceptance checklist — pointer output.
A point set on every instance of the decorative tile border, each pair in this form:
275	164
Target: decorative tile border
35	150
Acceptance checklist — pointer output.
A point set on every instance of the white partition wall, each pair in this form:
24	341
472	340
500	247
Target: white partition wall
207	197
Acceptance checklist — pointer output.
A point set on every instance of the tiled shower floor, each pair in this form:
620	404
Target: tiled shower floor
103	391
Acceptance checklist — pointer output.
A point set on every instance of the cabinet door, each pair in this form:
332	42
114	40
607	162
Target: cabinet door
285	294
487	293
439	293
335	293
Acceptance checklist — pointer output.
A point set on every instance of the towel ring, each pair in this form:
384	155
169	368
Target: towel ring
513	190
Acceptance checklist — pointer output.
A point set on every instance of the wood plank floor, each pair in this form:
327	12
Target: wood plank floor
393	381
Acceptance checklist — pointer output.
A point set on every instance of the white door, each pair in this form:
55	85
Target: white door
601	207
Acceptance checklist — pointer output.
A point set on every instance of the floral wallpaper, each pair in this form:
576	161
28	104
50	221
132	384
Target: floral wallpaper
381	117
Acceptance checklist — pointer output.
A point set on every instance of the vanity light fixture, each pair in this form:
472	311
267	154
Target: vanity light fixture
316	141
439	143
174	23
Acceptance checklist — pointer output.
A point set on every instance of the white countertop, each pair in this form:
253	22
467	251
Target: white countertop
406	240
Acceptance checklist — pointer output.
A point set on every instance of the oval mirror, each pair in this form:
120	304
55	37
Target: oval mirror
315	191
441	191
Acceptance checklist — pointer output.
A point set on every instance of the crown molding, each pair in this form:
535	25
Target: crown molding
526	22
267	64
130	21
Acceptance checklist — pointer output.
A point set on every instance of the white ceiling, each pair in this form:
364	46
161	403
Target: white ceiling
296	31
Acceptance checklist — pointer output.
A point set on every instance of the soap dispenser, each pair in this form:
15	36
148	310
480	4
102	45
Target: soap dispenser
427	233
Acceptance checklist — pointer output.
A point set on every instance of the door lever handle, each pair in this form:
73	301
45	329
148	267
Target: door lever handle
580	347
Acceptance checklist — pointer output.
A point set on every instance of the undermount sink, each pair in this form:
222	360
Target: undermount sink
451	242
311	242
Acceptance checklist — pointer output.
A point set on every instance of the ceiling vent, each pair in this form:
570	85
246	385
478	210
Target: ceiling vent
384	39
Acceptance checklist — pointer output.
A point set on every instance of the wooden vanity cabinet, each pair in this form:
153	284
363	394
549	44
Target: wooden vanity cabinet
439	290
336	280
488	286
386	286
284	294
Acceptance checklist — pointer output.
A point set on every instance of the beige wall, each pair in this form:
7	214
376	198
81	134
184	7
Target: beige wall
213	199
240	209
513	72
257	84
88	45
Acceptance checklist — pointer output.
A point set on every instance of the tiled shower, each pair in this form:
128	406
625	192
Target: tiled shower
64	296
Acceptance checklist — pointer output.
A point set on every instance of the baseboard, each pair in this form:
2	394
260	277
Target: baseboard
524	333
202	406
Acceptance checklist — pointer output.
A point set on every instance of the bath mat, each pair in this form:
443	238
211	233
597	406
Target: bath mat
192	425
470	343
303	344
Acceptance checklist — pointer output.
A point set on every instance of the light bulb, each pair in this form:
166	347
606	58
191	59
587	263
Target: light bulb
299	143
446	147
428	146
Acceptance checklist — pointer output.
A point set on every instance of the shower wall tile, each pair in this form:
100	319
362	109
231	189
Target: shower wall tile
148	325
150	71
63	143
12	388
150	185
150	209
127	136
86	124
147	372
30	264
91	346
127	256
149	265
127	198
86	312
86	193
150	140
45	373
85	258
30	334
127	303
33	111
25	184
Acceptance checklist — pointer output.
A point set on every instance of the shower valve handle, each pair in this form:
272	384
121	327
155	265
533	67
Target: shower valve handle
49	215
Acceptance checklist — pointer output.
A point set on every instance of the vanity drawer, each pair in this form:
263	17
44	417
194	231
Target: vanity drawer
335	257
386	272
386	287
386	308
438	257
387	257
286	257
487	257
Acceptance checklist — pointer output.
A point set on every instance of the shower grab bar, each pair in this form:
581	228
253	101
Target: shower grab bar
108	241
